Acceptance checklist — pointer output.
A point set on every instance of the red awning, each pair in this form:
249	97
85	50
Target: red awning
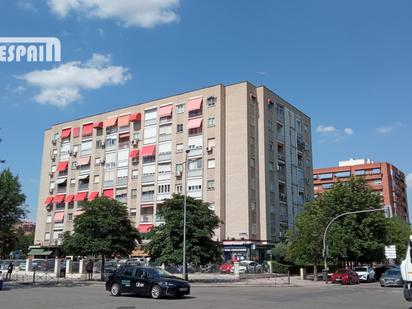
165	111
194	123
134	153
84	161
58	217
66	133
135	117
124	135
59	198
87	129
93	195
80	197
148	151
76	132
78	212
48	200
110	122
62	166
108	193
69	198
123	121
98	124
194	104
144	228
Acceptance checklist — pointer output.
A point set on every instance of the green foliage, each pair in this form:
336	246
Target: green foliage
166	245
279	268
11	209
398	234
279	252
358	238
103	229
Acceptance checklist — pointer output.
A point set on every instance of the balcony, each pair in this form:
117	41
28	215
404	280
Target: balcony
162	196
111	146
150	122
63	173
61	189
147	197
166	119
121	181
124	145
282	197
194	173
281	156
195	152
146	218
283	218
164	156
165	137
110	165
164	176
148	178
195	193
195	113
280	114
282	176
195	132
108	183
281	137
122	199
83	187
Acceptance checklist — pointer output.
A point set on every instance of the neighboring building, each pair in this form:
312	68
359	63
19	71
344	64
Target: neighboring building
27	226
383	178
250	159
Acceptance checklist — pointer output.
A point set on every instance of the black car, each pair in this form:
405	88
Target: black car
148	281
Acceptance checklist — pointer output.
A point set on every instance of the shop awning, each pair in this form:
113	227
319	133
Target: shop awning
84	161
59	181
194	104
135	117
194	123
59	198
93	195
108	193
66	133
58	217
80	197
165	111
76	132
148	151
39	251
134	153
123	121
110	122
69	198
62	166
144	228
87	129
98	124
48	200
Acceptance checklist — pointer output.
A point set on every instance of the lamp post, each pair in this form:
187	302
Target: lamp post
184	219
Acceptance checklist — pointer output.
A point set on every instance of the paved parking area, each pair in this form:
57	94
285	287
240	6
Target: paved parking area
311	297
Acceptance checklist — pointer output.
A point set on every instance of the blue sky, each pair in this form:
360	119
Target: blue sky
346	64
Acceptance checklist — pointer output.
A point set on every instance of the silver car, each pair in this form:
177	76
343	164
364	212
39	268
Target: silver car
391	277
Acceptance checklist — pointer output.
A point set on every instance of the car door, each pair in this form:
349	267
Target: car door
126	278
140	282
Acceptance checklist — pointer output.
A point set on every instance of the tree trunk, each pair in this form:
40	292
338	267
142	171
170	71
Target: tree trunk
102	268
315	272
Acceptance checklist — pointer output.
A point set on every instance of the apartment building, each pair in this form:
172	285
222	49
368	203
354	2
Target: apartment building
383	178
249	157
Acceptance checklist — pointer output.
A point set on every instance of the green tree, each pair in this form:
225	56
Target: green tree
103	229
279	252
12	208
166	245
398	232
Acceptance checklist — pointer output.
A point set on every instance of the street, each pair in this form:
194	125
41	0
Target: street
310	297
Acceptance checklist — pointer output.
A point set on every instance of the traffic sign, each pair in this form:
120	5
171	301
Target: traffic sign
390	252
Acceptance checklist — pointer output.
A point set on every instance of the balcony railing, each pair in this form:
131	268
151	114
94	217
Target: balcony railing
195	152
61	189
281	156
283	218
121	181
282	197
121	199
281	137
164	176
193	173
162	196
83	187
195	193
124	145
147	197
146	218
108	183
165	137
165	119
165	156
111	146
148	177
150	122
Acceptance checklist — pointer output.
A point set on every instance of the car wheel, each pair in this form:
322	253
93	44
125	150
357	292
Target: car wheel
382	285
155	292
115	289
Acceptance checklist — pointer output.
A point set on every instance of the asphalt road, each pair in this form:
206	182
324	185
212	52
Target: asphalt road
94	296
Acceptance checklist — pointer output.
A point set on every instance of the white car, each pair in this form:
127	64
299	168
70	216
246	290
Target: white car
365	273
248	267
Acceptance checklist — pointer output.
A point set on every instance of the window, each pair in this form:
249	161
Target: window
164	188
210	185
72	182
110	160
179	168
123	158
51	186
211	163
376	171
252	162
48	218
179	188
327	186
96	178
133	192
86	148
326	176
342	174
133	212
53	168
360	172
270	124
211	142
180	108
111	141
271	148
211	122
97	161
47	235
135	174
69	217
149	135
99	144
150	117
195	164
64	151
271	166
74	165
179	148
211	101
179	128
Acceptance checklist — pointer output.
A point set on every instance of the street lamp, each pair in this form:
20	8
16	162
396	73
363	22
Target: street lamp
184	219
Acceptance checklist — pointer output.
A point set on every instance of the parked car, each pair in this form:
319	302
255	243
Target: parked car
246	266
365	273
1	281
147	281
391	277
345	276
379	271
225	268
178	269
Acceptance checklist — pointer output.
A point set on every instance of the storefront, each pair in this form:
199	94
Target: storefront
245	250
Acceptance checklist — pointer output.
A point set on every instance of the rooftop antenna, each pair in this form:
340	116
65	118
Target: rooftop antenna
260	77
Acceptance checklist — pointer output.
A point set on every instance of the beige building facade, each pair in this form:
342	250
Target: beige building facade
248	156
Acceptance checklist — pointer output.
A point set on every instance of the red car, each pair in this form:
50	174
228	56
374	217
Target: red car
345	276
225	268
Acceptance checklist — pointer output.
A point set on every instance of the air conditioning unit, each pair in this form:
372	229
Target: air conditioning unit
103	144
102	161
74	153
51	190
54	141
282	195
209	149
53	157
135	142
179	174
70	152
51	174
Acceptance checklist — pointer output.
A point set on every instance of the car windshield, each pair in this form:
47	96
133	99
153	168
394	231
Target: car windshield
392	272
341	271
361	269
158	272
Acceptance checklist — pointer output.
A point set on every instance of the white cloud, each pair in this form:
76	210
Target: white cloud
348	131
325	129
409	181
62	85
384	130
141	13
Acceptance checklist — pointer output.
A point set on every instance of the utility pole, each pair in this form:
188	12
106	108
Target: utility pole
184	272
